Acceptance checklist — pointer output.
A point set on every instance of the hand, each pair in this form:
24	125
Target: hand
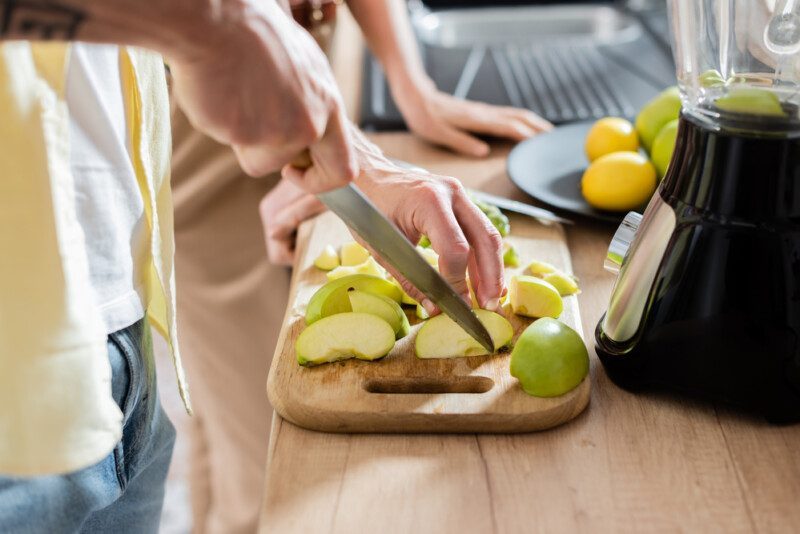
282	210
446	120
421	203
257	81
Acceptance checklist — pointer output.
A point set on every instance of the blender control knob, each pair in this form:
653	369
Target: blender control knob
621	242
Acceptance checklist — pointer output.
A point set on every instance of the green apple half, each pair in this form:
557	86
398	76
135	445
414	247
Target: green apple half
343	336
384	307
441	337
549	359
332	297
533	297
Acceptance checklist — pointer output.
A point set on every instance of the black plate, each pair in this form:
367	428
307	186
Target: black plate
549	168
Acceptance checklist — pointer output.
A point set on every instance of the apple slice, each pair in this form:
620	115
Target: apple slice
541	268
327	259
353	254
441	337
533	297
343	336
332	297
565	284
370	266
383	307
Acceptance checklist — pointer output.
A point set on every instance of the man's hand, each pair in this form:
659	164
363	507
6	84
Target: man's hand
282	211
262	85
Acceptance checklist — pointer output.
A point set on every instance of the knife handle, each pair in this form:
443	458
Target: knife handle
302	161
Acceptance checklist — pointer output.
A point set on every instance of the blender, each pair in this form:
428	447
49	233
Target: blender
707	296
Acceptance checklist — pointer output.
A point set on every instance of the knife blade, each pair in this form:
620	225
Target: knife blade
357	212
518	207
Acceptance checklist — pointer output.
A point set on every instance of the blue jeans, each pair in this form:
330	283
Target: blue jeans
124	492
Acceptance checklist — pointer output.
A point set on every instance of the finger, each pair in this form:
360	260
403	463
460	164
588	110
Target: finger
530	118
456	140
259	160
287	220
487	273
438	222
487	121
280	251
281	228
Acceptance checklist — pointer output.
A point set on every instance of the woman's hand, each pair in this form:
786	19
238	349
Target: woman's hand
446	120
282	211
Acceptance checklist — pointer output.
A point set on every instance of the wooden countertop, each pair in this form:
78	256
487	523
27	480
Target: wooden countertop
630	463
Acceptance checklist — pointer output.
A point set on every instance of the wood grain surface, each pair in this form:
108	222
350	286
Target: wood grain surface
630	463
402	393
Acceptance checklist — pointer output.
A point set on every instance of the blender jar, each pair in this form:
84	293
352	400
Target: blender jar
737	58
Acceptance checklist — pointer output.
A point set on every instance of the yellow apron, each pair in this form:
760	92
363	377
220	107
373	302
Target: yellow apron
56	410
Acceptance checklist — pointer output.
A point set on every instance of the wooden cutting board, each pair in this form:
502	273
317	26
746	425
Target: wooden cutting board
402	393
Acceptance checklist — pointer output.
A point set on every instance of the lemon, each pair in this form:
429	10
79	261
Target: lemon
608	135
619	182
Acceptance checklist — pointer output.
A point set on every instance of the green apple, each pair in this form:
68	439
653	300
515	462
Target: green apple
510	255
655	114
751	100
344	336
533	297
441	337
566	284
541	268
332	297
353	254
383	307
370	267
327	259
663	146
422	313
549	359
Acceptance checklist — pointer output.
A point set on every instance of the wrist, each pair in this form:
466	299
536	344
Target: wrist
409	86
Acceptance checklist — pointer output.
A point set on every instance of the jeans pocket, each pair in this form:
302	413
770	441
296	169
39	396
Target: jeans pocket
125	359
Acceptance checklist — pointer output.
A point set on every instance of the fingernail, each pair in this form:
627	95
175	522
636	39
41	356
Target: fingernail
492	304
429	306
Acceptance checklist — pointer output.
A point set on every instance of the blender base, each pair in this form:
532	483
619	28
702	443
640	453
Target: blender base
721	319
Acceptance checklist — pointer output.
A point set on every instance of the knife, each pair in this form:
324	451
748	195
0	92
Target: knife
357	212
518	207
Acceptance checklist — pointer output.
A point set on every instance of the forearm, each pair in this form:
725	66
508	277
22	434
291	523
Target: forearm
172	27
389	35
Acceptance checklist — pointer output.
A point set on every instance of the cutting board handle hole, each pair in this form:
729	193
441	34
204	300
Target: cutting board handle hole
454	384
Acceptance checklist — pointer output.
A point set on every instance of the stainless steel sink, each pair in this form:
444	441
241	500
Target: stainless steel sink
465	28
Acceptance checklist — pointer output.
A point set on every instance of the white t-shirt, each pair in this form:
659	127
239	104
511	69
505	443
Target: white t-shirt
109	204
